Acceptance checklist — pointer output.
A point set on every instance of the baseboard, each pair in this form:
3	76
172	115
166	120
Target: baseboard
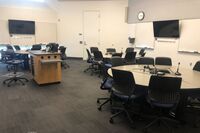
75	58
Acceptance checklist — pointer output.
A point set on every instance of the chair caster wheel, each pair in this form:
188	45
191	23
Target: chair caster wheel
23	84
98	101
4	83
99	108
111	121
27	81
8	85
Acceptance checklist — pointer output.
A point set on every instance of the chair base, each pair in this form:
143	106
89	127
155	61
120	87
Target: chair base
121	111
15	79
101	105
160	120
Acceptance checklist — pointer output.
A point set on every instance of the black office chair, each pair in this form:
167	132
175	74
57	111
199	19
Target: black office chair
9	47
63	57
145	61
164	94
124	90
163	61
117	61
117	54
130	58
93	49
36	47
89	61
197	66
17	47
129	49
105	85
110	50
142	52
97	62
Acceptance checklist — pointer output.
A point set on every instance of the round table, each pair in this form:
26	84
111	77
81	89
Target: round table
190	78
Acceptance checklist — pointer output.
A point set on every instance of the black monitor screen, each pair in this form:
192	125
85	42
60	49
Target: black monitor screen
21	27
166	28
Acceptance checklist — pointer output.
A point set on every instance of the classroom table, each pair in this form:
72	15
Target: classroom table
190	78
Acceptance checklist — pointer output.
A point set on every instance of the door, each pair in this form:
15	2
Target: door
91	30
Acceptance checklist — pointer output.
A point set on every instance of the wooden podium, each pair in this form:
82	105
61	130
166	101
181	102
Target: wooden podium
45	67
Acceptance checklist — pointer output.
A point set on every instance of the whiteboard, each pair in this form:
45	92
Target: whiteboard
144	35
190	36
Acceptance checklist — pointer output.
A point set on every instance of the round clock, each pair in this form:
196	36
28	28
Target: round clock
141	15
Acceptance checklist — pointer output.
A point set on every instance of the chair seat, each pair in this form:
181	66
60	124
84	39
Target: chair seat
123	95
159	104
15	62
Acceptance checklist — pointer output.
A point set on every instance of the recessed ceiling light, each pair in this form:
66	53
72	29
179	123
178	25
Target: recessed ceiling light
38	0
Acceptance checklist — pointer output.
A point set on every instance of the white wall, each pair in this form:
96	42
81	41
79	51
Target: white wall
163	10
45	20
113	29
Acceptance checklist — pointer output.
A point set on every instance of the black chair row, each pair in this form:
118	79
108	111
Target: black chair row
158	61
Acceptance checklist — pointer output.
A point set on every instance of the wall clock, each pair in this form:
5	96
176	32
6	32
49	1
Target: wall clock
141	15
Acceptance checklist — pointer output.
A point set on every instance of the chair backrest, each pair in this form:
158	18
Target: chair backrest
123	81
88	53
9	47
130	56
129	49
36	47
110	50
163	61
92	49
17	47
116	61
142	52
63	54
98	56
197	66
117	54
145	61
164	90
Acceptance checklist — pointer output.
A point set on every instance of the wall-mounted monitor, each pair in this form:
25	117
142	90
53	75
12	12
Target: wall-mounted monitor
21	27
166	29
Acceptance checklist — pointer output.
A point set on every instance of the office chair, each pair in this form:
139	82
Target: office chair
145	61
53	47
9	47
117	61
129	49
89	61
130	58
97	62
163	61
124	90
117	54
142	52
164	94
17	47
197	66
93	49
110	50
36	47
105	85
63	57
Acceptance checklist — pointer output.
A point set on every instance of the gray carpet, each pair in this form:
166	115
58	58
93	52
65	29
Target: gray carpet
68	107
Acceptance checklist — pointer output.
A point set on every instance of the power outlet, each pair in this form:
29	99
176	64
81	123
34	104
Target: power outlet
190	64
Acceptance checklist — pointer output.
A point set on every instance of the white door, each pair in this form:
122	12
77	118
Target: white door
91	30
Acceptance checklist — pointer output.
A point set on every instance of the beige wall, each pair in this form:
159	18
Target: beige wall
164	10
113	29
45	20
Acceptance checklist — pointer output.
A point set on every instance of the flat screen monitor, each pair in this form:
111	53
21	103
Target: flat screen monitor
166	29
21	27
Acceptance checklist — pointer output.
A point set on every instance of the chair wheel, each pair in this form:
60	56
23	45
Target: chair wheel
111	121
8	85
23	84
4	83
99	108
98	101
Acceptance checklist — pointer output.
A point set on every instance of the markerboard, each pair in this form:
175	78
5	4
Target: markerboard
190	36
144	35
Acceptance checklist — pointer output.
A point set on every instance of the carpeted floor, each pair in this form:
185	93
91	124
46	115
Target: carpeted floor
68	107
